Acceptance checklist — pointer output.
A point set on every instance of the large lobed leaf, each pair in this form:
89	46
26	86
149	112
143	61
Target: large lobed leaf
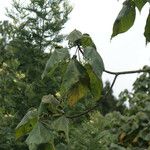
27	123
39	135
95	60
125	19
147	29
75	82
59	54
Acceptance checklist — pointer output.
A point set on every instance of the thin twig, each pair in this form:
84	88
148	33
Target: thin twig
80	49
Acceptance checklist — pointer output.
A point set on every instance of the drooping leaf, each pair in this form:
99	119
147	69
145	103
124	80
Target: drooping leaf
60	54
39	135
75	82
96	84
87	41
74	36
140	3
95	60
48	104
61	124
26	124
125	19
147	29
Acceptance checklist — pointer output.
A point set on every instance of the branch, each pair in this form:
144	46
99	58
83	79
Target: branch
108	92
127	72
80	49
93	108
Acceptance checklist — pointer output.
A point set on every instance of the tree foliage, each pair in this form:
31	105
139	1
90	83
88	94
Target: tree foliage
23	41
65	105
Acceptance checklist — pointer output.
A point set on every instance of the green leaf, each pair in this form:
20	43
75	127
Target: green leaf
62	124
75	79
147	29
96	84
125	19
26	124
75	73
86	41
95	60
59	54
74	37
48	104
140	3
39	135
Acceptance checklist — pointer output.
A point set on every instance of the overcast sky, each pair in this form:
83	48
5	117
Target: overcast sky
125	52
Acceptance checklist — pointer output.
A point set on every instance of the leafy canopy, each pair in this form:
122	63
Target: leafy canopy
81	79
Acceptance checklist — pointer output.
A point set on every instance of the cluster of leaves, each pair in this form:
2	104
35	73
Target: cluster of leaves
80	80
126	18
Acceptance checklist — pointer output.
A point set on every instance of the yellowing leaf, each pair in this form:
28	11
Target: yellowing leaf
75	74
77	92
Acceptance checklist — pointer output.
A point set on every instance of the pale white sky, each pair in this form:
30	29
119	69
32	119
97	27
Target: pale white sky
125	52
